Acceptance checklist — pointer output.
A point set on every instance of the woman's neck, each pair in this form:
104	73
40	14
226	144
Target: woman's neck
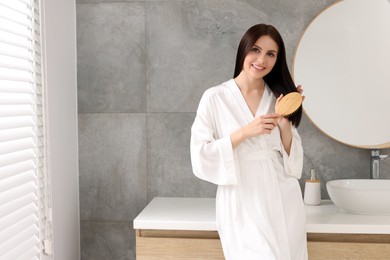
249	84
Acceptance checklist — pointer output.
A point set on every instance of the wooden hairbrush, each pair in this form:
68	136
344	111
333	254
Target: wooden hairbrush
289	104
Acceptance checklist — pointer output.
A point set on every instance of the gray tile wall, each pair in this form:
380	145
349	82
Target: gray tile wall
142	67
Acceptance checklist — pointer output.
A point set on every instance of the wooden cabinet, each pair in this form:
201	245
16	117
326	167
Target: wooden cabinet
158	234
178	244
205	245
348	246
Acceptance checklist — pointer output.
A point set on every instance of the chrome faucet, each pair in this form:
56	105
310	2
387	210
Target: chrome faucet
375	159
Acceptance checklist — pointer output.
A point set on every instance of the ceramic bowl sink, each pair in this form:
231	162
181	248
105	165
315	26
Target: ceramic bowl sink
361	196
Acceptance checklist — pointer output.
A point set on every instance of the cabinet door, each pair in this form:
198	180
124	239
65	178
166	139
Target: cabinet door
348	251
322	246
173	245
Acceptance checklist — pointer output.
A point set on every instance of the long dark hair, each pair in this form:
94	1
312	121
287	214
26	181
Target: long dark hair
279	78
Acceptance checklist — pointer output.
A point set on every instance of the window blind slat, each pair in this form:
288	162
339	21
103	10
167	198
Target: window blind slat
15	122
15	18
11	38
17	133
17	29
15	55
21	79
18	234
16	98
18	215
7	86
14	33
27	2
21	110
23	223
17	204
32	254
17	192
14	230
17	7
7	39
15	50
18	65
25	246
17	145
17	180
12	158
17	168
14	65
15	73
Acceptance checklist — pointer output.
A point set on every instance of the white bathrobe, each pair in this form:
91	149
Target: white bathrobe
259	207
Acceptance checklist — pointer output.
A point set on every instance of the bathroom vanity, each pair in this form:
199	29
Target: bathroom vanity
185	228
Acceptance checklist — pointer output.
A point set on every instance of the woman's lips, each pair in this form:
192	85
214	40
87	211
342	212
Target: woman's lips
258	67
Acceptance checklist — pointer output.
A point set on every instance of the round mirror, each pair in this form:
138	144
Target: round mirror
343	64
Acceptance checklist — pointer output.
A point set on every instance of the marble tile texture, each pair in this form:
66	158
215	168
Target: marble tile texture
111	57
169	165
142	68
107	240
112	166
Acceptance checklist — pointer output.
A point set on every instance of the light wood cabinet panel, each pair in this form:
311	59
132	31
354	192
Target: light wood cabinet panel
348	251
175	245
202	245
348	246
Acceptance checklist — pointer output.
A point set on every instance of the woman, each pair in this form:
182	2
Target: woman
254	155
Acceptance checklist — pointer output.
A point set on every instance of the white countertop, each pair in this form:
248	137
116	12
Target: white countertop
328	218
199	214
178	214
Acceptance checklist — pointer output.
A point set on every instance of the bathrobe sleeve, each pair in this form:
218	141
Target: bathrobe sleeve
212	159
293	163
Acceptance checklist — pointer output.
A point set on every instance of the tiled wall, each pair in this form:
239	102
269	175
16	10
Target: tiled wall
142	67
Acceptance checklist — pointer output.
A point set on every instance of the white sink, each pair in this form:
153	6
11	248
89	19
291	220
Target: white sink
361	196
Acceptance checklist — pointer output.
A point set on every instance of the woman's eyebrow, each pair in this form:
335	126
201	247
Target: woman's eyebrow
262	49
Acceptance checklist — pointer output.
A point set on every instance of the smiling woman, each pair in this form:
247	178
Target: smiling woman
254	155
261	60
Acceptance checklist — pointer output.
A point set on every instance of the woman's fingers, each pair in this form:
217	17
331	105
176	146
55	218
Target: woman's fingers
278	100
300	90
268	122
270	119
262	125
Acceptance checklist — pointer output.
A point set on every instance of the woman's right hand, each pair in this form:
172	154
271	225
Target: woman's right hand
260	125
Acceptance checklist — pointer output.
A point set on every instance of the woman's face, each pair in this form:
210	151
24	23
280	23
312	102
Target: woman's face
261	58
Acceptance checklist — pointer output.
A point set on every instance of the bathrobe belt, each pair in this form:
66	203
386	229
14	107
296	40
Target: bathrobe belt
260	155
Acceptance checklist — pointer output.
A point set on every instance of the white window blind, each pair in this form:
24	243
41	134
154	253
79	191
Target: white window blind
24	193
